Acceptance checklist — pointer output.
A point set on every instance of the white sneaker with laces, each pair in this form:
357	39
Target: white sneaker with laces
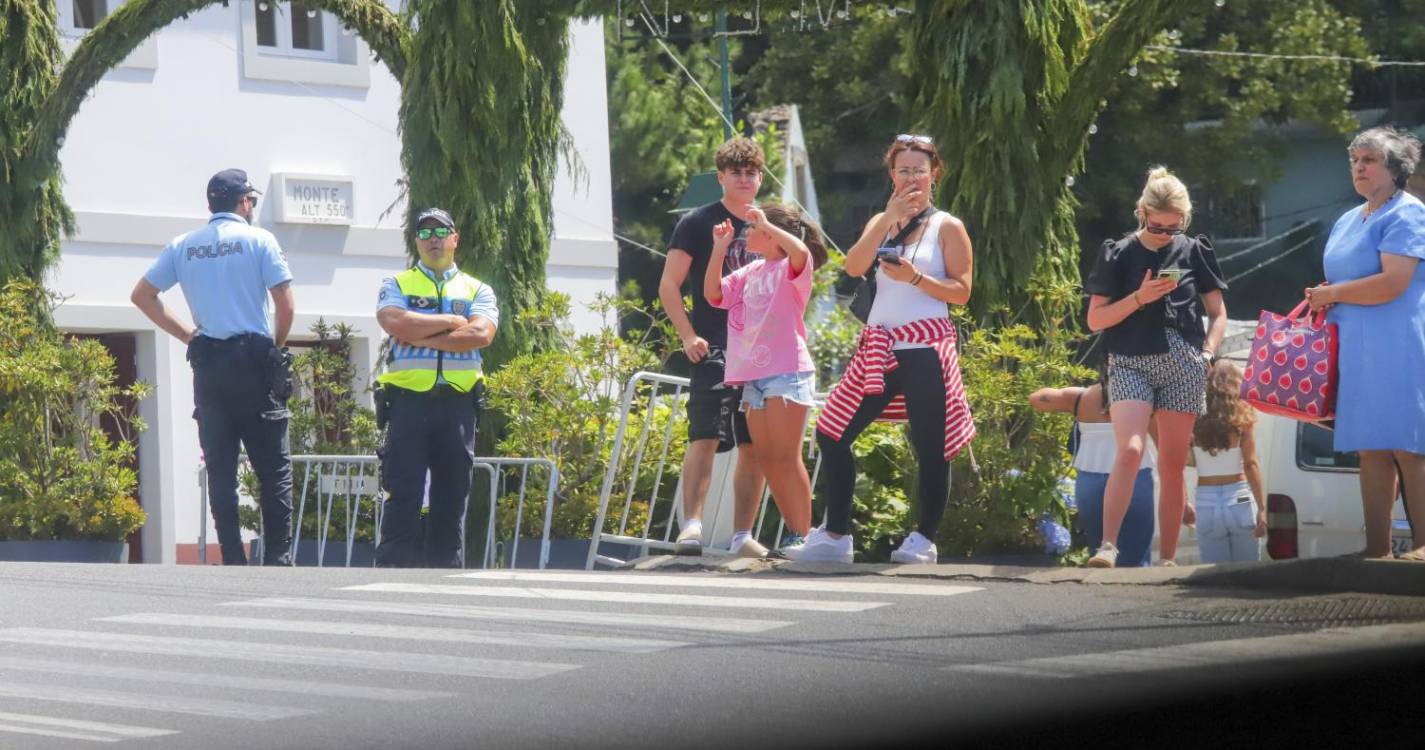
1106	557
821	547
915	549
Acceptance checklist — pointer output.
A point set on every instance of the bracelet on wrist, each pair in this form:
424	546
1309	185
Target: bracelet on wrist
916	281
1136	302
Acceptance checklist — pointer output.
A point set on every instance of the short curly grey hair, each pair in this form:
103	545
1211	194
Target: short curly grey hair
1400	148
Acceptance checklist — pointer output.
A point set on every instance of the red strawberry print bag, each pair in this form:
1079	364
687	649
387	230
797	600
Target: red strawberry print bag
1292	368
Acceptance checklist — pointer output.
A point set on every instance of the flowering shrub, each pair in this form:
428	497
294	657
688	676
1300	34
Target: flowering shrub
61	476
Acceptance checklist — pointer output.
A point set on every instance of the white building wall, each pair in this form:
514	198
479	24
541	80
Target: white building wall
136	162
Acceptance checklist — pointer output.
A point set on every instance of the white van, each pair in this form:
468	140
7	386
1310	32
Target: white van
1313	496
1314	493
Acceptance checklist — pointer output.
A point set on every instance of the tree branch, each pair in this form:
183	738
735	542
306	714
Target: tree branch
1111	49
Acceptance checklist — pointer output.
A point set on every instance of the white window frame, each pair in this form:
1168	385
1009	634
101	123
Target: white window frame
144	57
283	30
346	61
66	16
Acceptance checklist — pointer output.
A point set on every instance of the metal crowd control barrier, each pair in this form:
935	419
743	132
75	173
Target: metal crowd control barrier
353	480
672	391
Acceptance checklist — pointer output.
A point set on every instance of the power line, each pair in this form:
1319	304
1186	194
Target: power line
723	116
1263	243
1275	56
1276	258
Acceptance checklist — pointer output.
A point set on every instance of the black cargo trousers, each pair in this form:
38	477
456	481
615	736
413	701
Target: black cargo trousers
240	391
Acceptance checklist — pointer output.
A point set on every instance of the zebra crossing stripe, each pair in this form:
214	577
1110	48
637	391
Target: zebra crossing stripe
516	614
760	583
621	597
237	682
76	729
176	704
276	653
406	632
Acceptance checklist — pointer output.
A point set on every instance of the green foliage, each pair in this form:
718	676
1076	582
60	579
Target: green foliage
480	108
31	207
327	419
1008	90
1009	477
849	83
563	404
662	131
61	476
1213	119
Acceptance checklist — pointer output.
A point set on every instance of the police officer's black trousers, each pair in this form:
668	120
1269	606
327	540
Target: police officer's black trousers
235	405
433	432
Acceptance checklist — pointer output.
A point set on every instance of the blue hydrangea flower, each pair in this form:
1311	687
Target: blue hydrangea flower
1056	537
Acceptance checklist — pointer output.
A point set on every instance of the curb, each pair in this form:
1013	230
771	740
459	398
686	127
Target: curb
1318	575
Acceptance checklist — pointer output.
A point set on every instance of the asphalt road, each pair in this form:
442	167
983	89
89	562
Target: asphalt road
189	657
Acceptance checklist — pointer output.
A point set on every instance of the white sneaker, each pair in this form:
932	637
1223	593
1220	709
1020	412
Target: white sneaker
749	548
1106	557
820	547
915	549
1165	564
690	542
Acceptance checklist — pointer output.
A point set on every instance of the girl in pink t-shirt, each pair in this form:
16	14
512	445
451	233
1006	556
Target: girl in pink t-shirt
767	350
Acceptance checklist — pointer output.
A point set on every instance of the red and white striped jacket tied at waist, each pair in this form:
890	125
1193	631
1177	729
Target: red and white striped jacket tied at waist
866	375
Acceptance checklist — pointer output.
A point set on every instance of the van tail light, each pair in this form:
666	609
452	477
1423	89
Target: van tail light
1281	527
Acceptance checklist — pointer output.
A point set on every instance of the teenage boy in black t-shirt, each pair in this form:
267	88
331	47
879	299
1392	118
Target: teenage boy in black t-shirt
715	423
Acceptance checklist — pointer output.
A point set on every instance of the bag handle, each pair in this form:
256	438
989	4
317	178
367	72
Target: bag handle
1316	317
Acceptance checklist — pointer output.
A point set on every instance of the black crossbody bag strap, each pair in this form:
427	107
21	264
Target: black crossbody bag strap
865	292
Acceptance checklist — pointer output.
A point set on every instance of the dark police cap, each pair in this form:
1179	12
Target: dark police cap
438	215
230	182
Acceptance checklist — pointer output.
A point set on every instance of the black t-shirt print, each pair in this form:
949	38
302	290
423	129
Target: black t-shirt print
693	235
1119	272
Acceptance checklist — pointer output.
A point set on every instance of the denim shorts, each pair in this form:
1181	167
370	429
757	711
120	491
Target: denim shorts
1226	517
797	387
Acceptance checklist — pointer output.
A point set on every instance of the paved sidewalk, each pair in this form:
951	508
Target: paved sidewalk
1332	574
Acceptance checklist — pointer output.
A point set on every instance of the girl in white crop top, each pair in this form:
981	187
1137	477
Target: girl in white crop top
1094	451
1231	500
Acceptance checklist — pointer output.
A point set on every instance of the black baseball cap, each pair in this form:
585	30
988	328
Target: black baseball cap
438	215
230	182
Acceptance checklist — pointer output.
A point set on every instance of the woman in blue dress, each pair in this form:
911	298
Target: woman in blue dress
1375	292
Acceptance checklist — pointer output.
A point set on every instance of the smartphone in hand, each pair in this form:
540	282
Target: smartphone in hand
888	255
1176	274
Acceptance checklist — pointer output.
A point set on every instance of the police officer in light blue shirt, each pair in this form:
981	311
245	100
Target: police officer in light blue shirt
234	277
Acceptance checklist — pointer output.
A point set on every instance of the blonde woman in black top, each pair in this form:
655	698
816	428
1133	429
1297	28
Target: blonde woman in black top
1149	292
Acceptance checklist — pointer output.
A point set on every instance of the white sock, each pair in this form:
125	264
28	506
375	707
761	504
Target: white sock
738	538
694	525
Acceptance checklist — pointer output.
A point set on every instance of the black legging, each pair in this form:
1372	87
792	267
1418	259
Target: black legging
920	378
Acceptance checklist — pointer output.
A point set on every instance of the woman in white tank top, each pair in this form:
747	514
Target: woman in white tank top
1231	501
906	366
1094	451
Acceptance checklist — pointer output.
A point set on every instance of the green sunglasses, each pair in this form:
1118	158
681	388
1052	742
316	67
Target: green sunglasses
440	232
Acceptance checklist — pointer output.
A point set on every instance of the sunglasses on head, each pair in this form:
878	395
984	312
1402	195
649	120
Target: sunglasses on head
437	232
912	138
1169	231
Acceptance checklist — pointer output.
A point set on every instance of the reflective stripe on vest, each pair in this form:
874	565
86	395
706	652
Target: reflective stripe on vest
416	368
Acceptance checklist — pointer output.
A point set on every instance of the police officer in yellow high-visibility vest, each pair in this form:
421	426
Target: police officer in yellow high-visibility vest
438	319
